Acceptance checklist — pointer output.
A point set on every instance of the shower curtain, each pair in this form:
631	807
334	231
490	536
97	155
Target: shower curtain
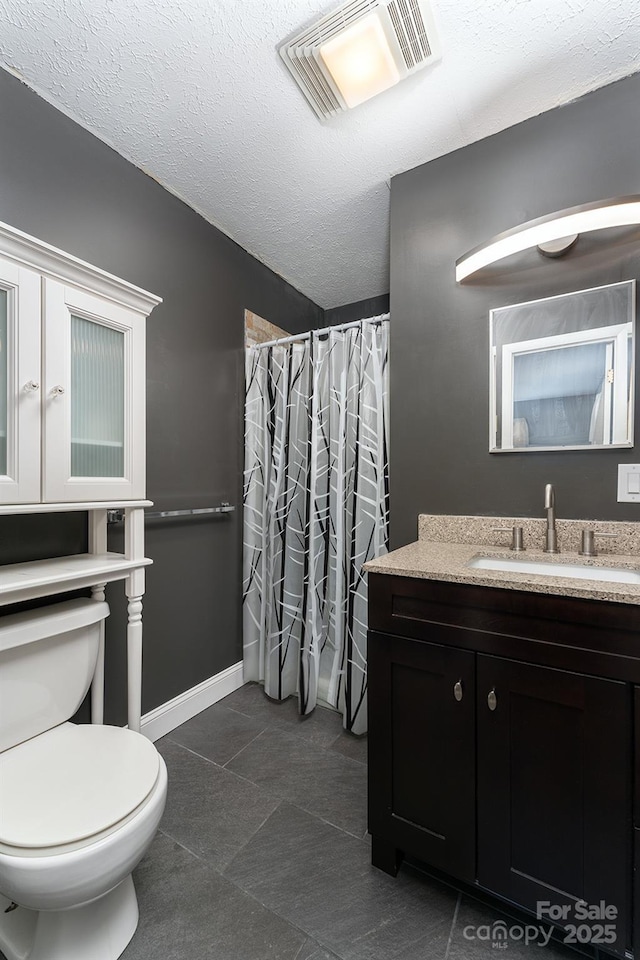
316	507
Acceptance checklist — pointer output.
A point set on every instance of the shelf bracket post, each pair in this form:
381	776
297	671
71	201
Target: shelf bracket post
98	544
134	587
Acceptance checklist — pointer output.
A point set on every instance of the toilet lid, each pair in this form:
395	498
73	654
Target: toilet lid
73	782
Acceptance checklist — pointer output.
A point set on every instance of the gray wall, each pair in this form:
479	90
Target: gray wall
358	310
587	150
62	185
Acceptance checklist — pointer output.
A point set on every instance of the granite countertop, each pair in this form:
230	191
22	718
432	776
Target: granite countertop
441	559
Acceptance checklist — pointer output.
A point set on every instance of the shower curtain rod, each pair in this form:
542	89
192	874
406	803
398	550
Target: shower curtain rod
321	331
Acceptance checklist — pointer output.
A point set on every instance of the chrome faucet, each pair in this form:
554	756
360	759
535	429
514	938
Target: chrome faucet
551	537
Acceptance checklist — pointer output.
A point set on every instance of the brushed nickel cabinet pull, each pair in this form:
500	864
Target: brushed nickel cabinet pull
492	700
457	690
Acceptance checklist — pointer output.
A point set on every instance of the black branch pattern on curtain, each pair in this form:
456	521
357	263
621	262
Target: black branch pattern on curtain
316	508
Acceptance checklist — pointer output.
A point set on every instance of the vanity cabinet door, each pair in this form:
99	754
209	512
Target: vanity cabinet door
554	788
421	754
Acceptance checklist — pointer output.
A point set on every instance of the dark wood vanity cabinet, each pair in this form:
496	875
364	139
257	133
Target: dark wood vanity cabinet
553	785
422	776
501	742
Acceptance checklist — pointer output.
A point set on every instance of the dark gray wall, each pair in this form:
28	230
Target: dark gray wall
62	185
439	367
358	310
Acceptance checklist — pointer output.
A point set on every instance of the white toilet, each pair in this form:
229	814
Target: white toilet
79	803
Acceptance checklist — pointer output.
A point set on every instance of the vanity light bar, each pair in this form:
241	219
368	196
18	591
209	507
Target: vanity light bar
598	215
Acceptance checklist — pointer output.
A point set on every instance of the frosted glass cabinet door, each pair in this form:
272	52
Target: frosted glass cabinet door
20	392
94	397
97	399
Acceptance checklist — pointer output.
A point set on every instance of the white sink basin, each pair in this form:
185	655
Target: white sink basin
550	568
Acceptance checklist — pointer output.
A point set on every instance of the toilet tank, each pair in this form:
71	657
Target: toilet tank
47	660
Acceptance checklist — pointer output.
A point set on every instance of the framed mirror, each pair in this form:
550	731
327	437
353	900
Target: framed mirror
562	368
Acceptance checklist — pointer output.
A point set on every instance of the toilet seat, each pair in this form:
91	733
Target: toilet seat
72	785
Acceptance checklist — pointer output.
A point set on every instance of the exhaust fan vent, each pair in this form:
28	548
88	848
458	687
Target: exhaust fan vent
400	36
411	32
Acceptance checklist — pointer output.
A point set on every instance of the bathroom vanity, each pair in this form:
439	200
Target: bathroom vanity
504	709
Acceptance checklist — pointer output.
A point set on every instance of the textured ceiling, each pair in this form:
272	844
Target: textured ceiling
193	92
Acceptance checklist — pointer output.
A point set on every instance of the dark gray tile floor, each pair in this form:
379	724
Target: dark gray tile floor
263	855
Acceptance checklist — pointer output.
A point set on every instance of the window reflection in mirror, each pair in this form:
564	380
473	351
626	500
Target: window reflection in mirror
562	371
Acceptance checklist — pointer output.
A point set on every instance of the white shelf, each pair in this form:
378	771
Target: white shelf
17	508
41	578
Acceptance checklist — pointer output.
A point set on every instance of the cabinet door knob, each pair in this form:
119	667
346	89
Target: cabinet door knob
32	385
492	700
457	690
57	391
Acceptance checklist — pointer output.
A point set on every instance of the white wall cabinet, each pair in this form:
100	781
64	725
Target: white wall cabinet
19	384
72	425
72	378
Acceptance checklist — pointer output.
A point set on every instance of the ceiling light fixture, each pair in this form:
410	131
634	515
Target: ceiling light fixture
598	215
359	50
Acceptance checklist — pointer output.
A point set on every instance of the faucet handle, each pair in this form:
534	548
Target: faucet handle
517	537
587	542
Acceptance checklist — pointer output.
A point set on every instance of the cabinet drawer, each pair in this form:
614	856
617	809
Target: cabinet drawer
586	636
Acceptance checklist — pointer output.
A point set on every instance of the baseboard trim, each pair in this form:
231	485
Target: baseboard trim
169	715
